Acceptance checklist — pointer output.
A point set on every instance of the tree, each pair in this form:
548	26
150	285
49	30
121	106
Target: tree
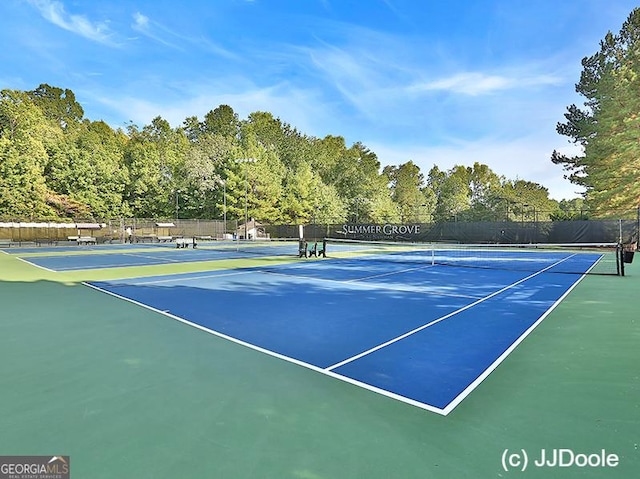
155	158
357	179
527	201
58	105
87	168
608	128
298	201
24	136
407	186
451	190
573	209
222	121
205	172
485	194
328	207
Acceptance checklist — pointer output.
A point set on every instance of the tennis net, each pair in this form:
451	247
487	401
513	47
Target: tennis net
577	258
257	247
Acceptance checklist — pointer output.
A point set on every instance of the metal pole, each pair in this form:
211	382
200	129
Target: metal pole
637	238
246	195
620	231
246	191
224	200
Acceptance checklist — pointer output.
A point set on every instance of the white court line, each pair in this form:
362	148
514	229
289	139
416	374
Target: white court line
442	318
106	266
159	262
317	369
469	389
36	265
153	257
391	273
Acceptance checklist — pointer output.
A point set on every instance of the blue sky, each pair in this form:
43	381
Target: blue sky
440	82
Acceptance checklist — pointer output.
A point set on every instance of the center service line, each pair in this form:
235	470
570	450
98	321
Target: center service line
442	318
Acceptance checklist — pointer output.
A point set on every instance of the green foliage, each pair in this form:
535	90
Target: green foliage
608	128
87	168
55	164
574	209
24	136
407	191
452	190
58	105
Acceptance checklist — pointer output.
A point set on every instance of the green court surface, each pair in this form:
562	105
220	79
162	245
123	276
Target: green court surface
129	393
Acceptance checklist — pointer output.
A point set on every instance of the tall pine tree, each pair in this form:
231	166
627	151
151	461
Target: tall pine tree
608	127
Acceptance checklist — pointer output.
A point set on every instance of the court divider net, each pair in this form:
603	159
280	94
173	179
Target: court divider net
258	247
573	258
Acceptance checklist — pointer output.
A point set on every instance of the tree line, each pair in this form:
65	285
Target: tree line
56	164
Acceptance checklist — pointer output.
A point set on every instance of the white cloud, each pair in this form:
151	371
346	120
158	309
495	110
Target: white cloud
476	83
165	36
466	83
300	108
141	22
54	12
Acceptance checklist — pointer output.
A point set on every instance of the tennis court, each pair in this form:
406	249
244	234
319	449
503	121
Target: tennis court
72	258
398	323
314	367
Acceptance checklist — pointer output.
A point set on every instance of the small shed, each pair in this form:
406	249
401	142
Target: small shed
87	233
87	229
163	231
254	230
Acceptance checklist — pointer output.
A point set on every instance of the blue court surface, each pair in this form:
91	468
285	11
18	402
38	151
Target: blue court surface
426	335
74	258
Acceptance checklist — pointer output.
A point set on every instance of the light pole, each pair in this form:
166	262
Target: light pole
246	162
177	191
224	203
223	182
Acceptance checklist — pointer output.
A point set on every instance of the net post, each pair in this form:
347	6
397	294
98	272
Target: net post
620	259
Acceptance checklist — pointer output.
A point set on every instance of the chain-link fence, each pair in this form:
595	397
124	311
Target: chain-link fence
506	232
153	230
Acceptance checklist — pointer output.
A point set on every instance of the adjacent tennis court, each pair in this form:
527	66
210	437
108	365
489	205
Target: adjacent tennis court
72	258
398	323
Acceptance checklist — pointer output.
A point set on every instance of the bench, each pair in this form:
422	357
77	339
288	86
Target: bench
316	250
302	249
145	238
86	240
185	242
